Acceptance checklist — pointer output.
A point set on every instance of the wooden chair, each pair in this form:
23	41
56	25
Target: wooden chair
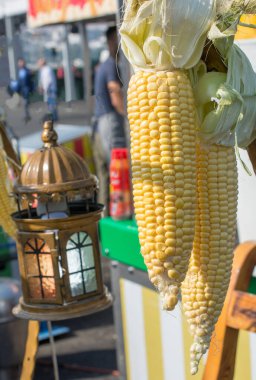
239	312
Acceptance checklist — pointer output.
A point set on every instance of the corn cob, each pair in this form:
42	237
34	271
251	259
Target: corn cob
207	279
7	204
161	113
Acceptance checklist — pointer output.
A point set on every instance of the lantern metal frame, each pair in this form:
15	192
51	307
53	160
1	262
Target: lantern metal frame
47	290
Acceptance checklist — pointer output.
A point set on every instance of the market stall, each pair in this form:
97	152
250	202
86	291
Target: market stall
152	343
180	251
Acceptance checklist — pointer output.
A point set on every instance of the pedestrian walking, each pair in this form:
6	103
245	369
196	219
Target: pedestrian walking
25	85
47	85
109	126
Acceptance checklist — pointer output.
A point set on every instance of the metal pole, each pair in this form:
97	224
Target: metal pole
9	30
54	355
87	77
120	5
67	65
124	66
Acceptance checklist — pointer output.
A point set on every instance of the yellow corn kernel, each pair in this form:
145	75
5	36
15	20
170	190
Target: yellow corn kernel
7	204
213	254
163	153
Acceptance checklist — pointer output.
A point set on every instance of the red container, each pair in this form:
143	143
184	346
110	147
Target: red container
120	189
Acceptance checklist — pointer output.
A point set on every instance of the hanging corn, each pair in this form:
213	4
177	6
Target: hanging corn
8	205
162	115
185	125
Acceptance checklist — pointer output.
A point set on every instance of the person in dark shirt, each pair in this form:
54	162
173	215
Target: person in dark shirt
109	114
25	85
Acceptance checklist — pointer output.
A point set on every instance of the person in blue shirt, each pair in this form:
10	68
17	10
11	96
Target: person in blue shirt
25	85
109	127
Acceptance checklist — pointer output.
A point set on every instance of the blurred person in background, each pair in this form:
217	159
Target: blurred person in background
109	120
47	85
25	85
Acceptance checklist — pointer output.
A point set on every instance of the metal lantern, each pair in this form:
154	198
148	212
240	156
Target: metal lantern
58	248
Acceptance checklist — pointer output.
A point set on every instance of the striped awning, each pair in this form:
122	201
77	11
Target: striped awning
157	343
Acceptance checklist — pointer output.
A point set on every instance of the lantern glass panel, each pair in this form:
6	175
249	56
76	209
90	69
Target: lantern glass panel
87	257
49	289
76	284
46	267
74	262
90	280
31	263
35	289
39	269
81	266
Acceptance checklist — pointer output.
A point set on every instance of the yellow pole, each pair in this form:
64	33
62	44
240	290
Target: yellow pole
29	361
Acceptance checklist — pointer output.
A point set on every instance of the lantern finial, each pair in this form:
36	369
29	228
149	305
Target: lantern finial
49	135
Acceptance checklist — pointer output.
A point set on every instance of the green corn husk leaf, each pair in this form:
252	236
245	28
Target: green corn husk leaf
231	117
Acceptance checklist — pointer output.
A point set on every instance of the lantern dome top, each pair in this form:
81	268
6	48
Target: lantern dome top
55	169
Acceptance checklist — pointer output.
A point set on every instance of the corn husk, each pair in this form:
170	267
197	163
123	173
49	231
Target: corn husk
228	117
162	34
